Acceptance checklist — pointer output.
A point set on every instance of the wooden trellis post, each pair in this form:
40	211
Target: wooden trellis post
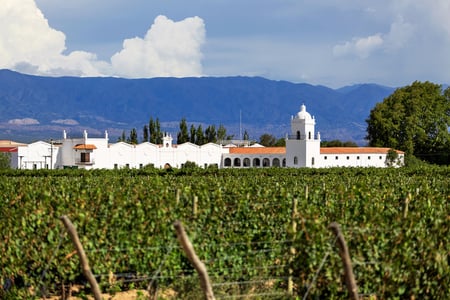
195	261
345	256
83	258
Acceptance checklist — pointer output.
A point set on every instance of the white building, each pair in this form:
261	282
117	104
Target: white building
302	150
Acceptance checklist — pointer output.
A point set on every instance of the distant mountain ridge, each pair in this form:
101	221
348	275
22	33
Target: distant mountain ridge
35	107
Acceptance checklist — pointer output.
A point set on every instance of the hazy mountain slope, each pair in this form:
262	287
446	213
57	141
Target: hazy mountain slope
115	104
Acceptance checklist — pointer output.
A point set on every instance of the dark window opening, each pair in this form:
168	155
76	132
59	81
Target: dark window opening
85	157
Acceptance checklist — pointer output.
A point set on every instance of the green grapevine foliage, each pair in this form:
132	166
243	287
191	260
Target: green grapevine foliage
396	223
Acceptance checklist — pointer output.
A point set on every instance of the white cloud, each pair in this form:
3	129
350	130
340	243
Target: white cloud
65	122
24	121
399	34
168	49
28	44
361	47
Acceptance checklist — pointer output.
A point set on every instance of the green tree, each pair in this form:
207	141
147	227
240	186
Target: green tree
159	133
199	136
337	143
281	142
192	134
391	158
183	134
145	133
221	133
152	130
5	160
267	140
122	137
211	134
246	136
133	138
414	119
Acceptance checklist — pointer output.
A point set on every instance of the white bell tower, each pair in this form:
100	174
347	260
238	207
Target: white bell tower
302	145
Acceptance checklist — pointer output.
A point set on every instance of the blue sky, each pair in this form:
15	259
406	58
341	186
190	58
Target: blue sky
333	43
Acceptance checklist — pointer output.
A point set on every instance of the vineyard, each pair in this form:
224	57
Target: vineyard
396	223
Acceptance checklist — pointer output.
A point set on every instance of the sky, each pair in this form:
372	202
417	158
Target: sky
322	42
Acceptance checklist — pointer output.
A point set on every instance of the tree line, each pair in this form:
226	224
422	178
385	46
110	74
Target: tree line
194	134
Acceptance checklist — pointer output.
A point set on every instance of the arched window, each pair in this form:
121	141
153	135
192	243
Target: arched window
276	162
256	162
227	162
246	162
309	135
237	162
298	135
266	162
284	162
295	160
312	161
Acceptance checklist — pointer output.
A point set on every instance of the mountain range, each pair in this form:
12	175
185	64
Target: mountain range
36	107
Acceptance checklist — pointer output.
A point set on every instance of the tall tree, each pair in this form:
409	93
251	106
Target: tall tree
133	138
122	137
192	134
183	134
152	130
159	133
145	134
211	134
221	133
199	136
414	119
246	136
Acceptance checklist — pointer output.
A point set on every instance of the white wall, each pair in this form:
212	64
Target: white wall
37	155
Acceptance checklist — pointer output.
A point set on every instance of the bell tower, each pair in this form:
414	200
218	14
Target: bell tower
302	145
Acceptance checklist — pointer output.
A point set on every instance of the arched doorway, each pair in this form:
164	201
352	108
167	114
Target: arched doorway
227	162
276	162
246	162
237	162
256	162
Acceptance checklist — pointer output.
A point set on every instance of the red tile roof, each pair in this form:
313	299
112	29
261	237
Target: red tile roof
85	147
355	150
325	150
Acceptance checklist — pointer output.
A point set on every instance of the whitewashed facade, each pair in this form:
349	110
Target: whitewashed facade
302	150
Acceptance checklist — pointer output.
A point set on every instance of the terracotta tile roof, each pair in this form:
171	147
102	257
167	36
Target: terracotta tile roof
355	150
85	147
8	143
325	150
258	150
8	149
9	146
